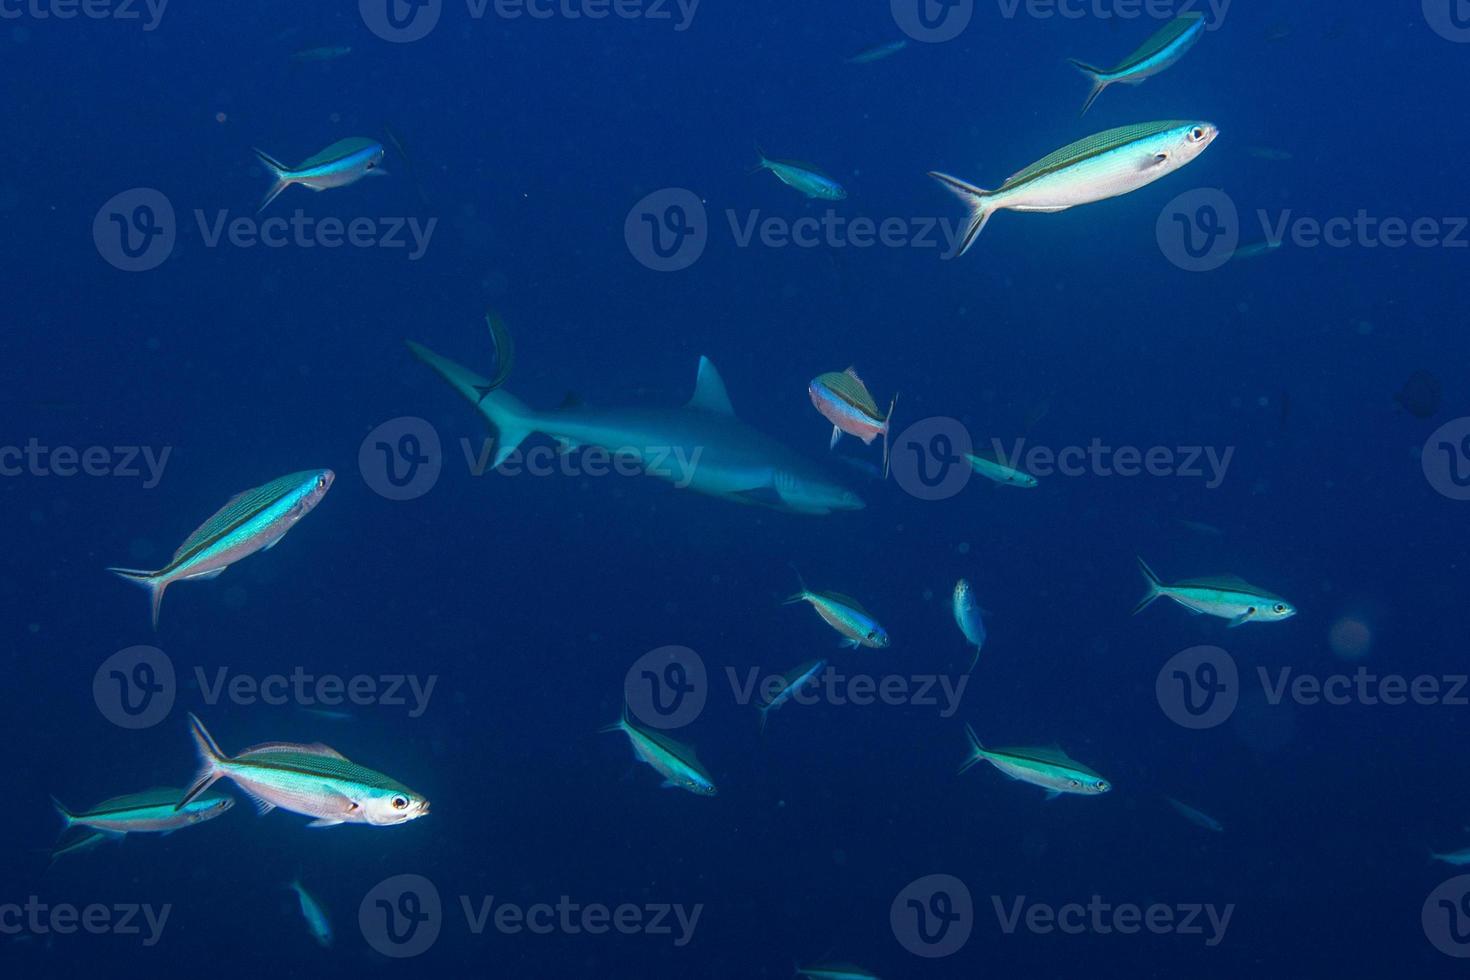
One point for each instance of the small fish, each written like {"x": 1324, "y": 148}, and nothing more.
{"x": 1159, "y": 52}
{"x": 1420, "y": 395}
{"x": 835, "y": 971}
{"x": 1225, "y": 596}
{"x": 329, "y": 52}
{"x": 311, "y": 911}
{"x": 845, "y": 401}
{"x": 1197, "y": 817}
{"x": 1268, "y": 153}
{"x": 803, "y": 177}
{"x": 1049, "y": 768}
{"x": 1199, "y": 527}
{"x": 877, "y": 53}
{"x": 1107, "y": 164}
{"x": 252, "y": 521}
{"x": 313, "y": 780}
{"x": 845, "y": 615}
{"x": 153, "y": 811}
{"x": 327, "y": 714}
{"x": 672, "y": 760}
{"x": 1005, "y": 475}
{"x": 791, "y": 682}
{"x": 1254, "y": 249}
{"x": 344, "y": 162}
{"x": 1457, "y": 858}
{"x": 967, "y": 615}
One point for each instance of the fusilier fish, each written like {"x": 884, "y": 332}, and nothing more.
{"x": 1458, "y": 858}
{"x": 344, "y": 162}
{"x": 835, "y": 971}
{"x": 803, "y": 177}
{"x": 845, "y": 401}
{"x": 878, "y": 52}
{"x": 1197, "y": 817}
{"x": 1049, "y": 768}
{"x": 252, "y": 521}
{"x": 1000, "y": 473}
{"x": 845, "y": 615}
{"x": 674, "y": 761}
{"x": 314, "y": 780}
{"x": 967, "y": 615}
{"x": 1159, "y": 52}
{"x": 791, "y": 683}
{"x": 1107, "y": 164}
{"x": 153, "y": 811}
{"x": 1225, "y": 596}
{"x": 311, "y": 911}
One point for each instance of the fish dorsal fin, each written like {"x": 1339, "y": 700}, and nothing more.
{"x": 313, "y": 748}
{"x": 1234, "y": 583}
{"x": 709, "y": 390}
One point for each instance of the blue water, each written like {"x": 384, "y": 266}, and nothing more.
{"x": 528, "y": 599}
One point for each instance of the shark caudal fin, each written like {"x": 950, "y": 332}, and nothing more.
{"x": 1155, "y": 587}
{"x": 980, "y": 203}
{"x": 148, "y": 580}
{"x": 513, "y": 421}
{"x": 1099, "y": 82}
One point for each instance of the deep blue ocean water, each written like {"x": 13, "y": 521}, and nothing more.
{"x": 528, "y": 599}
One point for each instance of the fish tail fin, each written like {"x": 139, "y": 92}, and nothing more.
{"x": 1099, "y": 82}
{"x": 1155, "y": 587}
{"x": 763, "y": 710}
{"x": 801, "y": 594}
{"x": 759, "y": 166}
{"x": 67, "y": 817}
{"x": 513, "y": 421}
{"x": 279, "y": 171}
{"x": 887, "y": 423}
{"x": 977, "y": 751}
{"x": 210, "y": 759}
{"x": 617, "y": 726}
{"x": 148, "y": 580}
{"x": 974, "y": 660}
{"x": 980, "y": 202}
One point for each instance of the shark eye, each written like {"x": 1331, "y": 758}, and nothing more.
{"x": 400, "y": 802}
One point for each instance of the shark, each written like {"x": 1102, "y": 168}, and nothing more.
{"x": 700, "y": 445}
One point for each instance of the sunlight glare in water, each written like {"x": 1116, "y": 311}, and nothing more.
{"x": 1350, "y": 638}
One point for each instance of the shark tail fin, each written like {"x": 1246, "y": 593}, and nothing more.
{"x": 513, "y": 421}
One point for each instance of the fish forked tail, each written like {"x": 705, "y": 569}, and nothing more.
{"x": 977, "y": 751}
{"x": 887, "y": 424}
{"x": 67, "y": 817}
{"x": 756, "y": 168}
{"x": 279, "y": 171}
{"x": 1155, "y": 587}
{"x": 978, "y": 199}
{"x": 513, "y": 421}
{"x": 621, "y": 725}
{"x": 1099, "y": 82}
{"x": 210, "y": 762}
{"x": 148, "y": 580}
{"x": 800, "y": 596}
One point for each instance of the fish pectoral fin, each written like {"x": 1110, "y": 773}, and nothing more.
{"x": 836, "y": 434}
{"x": 206, "y": 576}
{"x": 324, "y": 822}
{"x": 262, "y": 806}
{"x": 854, "y": 644}
{"x": 1240, "y": 620}
{"x": 668, "y": 784}
{"x": 1052, "y": 794}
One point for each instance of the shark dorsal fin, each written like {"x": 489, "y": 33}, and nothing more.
{"x": 709, "y": 390}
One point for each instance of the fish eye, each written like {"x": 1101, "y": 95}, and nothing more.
{"x": 1280, "y": 608}
{"x": 1197, "y": 133}
{"x": 321, "y": 483}
{"x": 1101, "y": 785}
{"x": 400, "y": 802}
